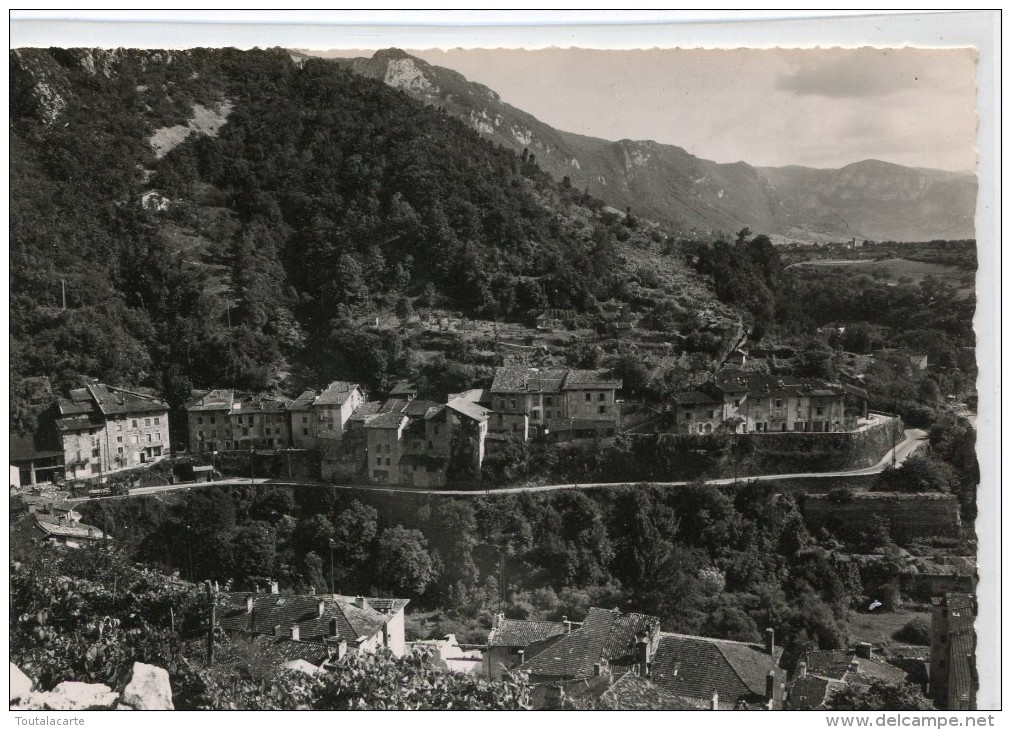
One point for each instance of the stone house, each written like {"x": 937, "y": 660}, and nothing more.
{"x": 343, "y": 623}
{"x": 102, "y": 428}
{"x": 207, "y": 416}
{"x": 510, "y": 641}
{"x": 323, "y": 414}
{"x": 526, "y": 399}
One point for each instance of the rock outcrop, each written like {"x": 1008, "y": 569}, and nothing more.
{"x": 148, "y": 689}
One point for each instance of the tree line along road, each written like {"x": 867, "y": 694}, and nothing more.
{"x": 914, "y": 437}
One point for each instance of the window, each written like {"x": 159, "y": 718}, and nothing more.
{"x": 136, "y": 438}
{"x": 148, "y": 437}
{"x": 157, "y": 421}
{"x": 501, "y": 405}
{"x": 147, "y": 421}
{"x": 779, "y": 402}
{"x": 535, "y": 415}
{"x": 119, "y": 425}
{"x": 512, "y": 404}
{"x": 589, "y": 397}
{"x": 547, "y": 400}
{"x": 737, "y": 402}
{"x": 268, "y": 430}
{"x": 119, "y": 449}
{"x": 820, "y": 411}
{"x": 601, "y": 409}
{"x": 329, "y": 427}
{"x": 387, "y": 461}
{"x": 135, "y": 423}
{"x": 602, "y": 396}
{"x": 305, "y": 432}
{"x": 212, "y": 420}
{"x": 688, "y": 415}
{"x": 157, "y": 436}
{"x": 379, "y": 461}
{"x": 305, "y": 419}
{"x": 95, "y": 452}
{"x": 245, "y": 431}
{"x": 200, "y": 434}
{"x": 119, "y": 439}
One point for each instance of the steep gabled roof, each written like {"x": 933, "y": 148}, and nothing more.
{"x": 528, "y": 380}
{"x": 281, "y": 650}
{"x": 632, "y": 692}
{"x": 336, "y": 393}
{"x": 808, "y": 693}
{"x": 604, "y": 635}
{"x": 117, "y": 401}
{"x": 517, "y": 633}
{"x": 285, "y": 610}
{"x": 211, "y": 400}
{"x": 387, "y": 420}
{"x": 697, "y": 666}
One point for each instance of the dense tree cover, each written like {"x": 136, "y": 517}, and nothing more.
{"x": 325, "y": 198}
{"x": 881, "y": 696}
{"x": 724, "y": 562}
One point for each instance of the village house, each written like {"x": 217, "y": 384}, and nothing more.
{"x": 719, "y": 674}
{"x": 525, "y": 399}
{"x": 511, "y": 641}
{"x": 447, "y": 654}
{"x": 820, "y": 674}
{"x": 607, "y": 640}
{"x": 340, "y": 624}
{"x": 102, "y": 429}
{"x": 954, "y": 679}
{"x": 207, "y": 421}
{"x": 739, "y": 402}
{"x": 54, "y": 524}
{"x": 323, "y": 414}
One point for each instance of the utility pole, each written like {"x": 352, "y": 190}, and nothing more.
{"x": 210, "y": 625}
{"x": 63, "y": 289}
{"x": 332, "y": 589}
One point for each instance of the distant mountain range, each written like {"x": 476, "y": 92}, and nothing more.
{"x": 868, "y": 199}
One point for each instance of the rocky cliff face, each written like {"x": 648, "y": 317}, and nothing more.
{"x": 666, "y": 183}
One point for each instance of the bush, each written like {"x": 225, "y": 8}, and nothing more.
{"x": 916, "y": 631}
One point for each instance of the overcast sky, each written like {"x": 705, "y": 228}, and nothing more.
{"x": 821, "y": 108}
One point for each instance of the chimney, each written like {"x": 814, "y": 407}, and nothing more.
{"x": 334, "y": 631}
{"x": 855, "y": 665}
{"x": 497, "y": 621}
{"x": 568, "y": 624}
{"x": 801, "y": 670}
{"x": 312, "y": 590}
{"x": 273, "y": 587}
{"x": 320, "y": 608}
{"x": 215, "y": 586}
{"x": 770, "y": 685}
{"x": 278, "y": 631}
{"x": 770, "y": 642}
{"x": 642, "y": 656}
{"x": 714, "y": 703}
{"x": 249, "y": 604}
{"x": 360, "y": 602}
{"x": 864, "y": 650}
{"x": 294, "y": 632}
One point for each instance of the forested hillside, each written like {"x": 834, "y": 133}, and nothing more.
{"x": 312, "y": 197}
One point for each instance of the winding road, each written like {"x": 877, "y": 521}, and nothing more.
{"x": 914, "y": 437}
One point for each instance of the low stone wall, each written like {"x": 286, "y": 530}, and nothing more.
{"x": 908, "y": 516}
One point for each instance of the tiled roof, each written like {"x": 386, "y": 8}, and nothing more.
{"x": 336, "y": 393}
{"x": 632, "y": 692}
{"x": 303, "y": 402}
{"x": 807, "y": 693}
{"x": 260, "y": 404}
{"x": 394, "y": 405}
{"x": 514, "y": 632}
{"x": 211, "y": 400}
{"x": 532, "y": 380}
{"x": 421, "y": 409}
{"x": 696, "y": 397}
{"x": 404, "y": 387}
{"x": 24, "y": 448}
{"x": 116, "y": 401}
{"x": 281, "y": 650}
{"x": 697, "y": 666}
{"x": 365, "y": 410}
{"x": 52, "y": 526}
{"x": 828, "y": 664}
{"x": 468, "y": 408}
{"x": 25, "y": 534}
{"x": 474, "y": 395}
{"x": 388, "y": 605}
{"x": 607, "y": 635}
{"x": 284, "y": 610}
{"x": 386, "y": 420}
{"x": 585, "y": 379}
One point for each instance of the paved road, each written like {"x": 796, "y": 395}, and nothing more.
{"x": 914, "y": 437}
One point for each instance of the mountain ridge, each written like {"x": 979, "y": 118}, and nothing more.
{"x": 693, "y": 195}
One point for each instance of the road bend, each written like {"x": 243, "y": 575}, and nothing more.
{"x": 913, "y": 439}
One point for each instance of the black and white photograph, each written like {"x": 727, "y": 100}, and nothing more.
{"x": 377, "y": 371}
